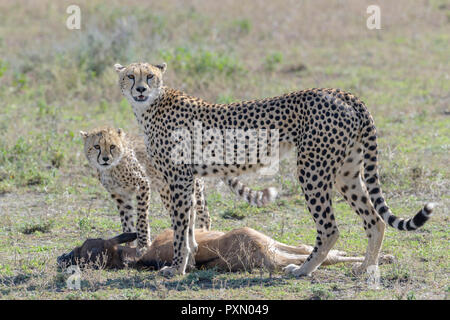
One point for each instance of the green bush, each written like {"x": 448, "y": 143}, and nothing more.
{"x": 39, "y": 225}
{"x": 201, "y": 62}
{"x": 243, "y": 25}
{"x": 272, "y": 60}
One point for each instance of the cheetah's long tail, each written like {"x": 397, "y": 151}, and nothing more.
{"x": 371, "y": 179}
{"x": 253, "y": 197}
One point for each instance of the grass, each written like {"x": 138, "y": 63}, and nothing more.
{"x": 55, "y": 82}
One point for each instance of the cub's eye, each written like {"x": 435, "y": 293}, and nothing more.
{"x": 131, "y": 77}
{"x": 150, "y": 76}
{"x": 112, "y": 147}
{"x": 97, "y": 147}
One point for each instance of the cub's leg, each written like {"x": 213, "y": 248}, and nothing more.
{"x": 142, "y": 224}
{"x": 125, "y": 207}
{"x": 193, "y": 246}
{"x": 351, "y": 186}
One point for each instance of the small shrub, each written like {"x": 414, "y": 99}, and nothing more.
{"x": 45, "y": 110}
{"x": 20, "y": 81}
{"x": 201, "y": 275}
{"x": 43, "y": 226}
{"x": 411, "y": 296}
{"x": 272, "y": 60}
{"x": 57, "y": 158}
{"x": 36, "y": 179}
{"x": 22, "y": 147}
{"x": 214, "y": 198}
{"x": 3, "y": 67}
{"x": 85, "y": 225}
{"x": 103, "y": 106}
{"x": 244, "y": 26}
{"x": 233, "y": 214}
{"x": 321, "y": 293}
{"x": 398, "y": 273}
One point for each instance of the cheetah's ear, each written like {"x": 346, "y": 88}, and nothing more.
{"x": 119, "y": 68}
{"x": 120, "y": 132}
{"x": 162, "y": 67}
{"x": 83, "y": 134}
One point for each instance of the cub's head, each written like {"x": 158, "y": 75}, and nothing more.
{"x": 104, "y": 147}
{"x": 141, "y": 83}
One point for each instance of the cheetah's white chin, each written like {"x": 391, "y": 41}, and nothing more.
{"x": 140, "y": 98}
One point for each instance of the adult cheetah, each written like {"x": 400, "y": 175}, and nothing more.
{"x": 332, "y": 131}
{"x": 124, "y": 169}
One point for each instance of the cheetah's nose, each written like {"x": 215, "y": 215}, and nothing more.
{"x": 140, "y": 89}
{"x": 105, "y": 159}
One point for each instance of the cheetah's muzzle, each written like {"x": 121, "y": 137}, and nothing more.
{"x": 140, "y": 98}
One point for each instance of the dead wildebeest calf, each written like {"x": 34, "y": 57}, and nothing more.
{"x": 238, "y": 250}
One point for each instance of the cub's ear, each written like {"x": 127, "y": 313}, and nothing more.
{"x": 83, "y": 134}
{"x": 120, "y": 132}
{"x": 162, "y": 67}
{"x": 119, "y": 67}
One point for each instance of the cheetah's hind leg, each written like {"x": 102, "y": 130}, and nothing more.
{"x": 317, "y": 192}
{"x": 350, "y": 185}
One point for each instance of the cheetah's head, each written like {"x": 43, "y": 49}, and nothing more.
{"x": 141, "y": 83}
{"x": 103, "y": 147}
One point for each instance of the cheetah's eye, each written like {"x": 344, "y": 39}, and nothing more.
{"x": 150, "y": 76}
{"x": 97, "y": 147}
{"x": 131, "y": 77}
{"x": 112, "y": 147}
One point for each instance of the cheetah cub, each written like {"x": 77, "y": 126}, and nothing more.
{"x": 119, "y": 171}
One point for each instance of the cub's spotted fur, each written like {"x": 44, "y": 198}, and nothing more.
{"x": 332, "y": 131}
{"x": 122, "y": 175}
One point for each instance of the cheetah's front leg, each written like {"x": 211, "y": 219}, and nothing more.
{"x": 166, "y": 199}
{"x": 202, "y": 218}
{"x": 181, "y": 206}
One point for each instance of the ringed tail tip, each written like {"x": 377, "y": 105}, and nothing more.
{"x": 429, "y": 207}
{"x": 269, "y": 195}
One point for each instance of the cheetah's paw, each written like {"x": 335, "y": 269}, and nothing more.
{"x": 140, "y": 252}
{"x": 295, "y": 270}
{"x": 358, "y": 268}
{"x": 169, "y": 271}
